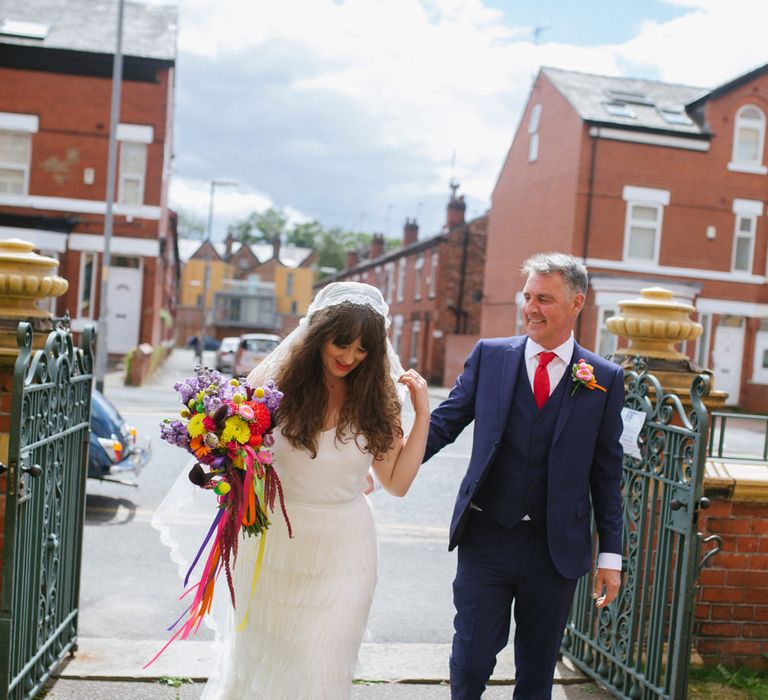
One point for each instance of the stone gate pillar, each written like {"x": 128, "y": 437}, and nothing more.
{"x": 25, "y": 279}
{"x": 731, "y": 620}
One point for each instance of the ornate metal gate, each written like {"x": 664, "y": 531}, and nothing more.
{"x": 45, "y": 503}
{"x": 639, "y": 647}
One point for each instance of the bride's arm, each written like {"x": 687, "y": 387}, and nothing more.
{"x": 397, "y": 469}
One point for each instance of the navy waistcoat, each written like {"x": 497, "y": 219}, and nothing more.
{"x": 516, "y": 483}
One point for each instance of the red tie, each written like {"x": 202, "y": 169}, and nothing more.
{"x": 541, "y": 379}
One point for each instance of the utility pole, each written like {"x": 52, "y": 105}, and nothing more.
{"x": 106, "y": 261}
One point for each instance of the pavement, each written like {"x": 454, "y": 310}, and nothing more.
{"x": 112, "y": 668}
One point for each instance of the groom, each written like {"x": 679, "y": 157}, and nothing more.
{"x": 544, "y": 445}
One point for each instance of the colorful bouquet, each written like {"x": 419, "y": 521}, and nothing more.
{"x": 227, "y": 426}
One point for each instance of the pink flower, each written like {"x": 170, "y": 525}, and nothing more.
{"x": 245, "y": 412}
{"x": 209, "y": 424}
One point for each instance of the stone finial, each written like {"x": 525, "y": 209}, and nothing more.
{"x": 26, "y": 277}
{"x": 654, "y": 323}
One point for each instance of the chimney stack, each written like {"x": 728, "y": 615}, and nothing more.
{"x": 455, "y": 213}
{"x": 276, "y": 248}
{"x": 228, "y": 243}
{"x": 352, "y": 259}
{"x": 410, "y": 232}
{"x": 377, "y": 246}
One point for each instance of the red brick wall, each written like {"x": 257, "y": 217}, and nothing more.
{"x": 534, "y": 205}
{"x": 731, "y": 625}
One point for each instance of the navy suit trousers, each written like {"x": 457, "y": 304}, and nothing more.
{"x": 499, "y": 568}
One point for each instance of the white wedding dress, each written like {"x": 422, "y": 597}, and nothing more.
{"x": 310, "y": 608}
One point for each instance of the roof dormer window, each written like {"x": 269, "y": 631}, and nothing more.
{"x": 23, "y": 30}
{"x": 675, "y": 115}
{"x": 619, "y": 109}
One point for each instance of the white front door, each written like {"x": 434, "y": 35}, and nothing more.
{"x": 124, "y": 313}
{"x": 727, "y": 357}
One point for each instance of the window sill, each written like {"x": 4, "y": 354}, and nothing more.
{"x": 748, "y": 168}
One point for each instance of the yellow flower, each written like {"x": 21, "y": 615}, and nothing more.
{"x": 238, "y": 398}
{"x": 185, "y": 413}
{"x": 259, "y": 393}
{"x": 234, "y": 382}
{"x": 235, "y": 428}
{"x": 195, "y": 427}
{"x": 200, "y": 396}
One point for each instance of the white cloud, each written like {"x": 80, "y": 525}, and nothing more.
{"x": 424, "y": 78}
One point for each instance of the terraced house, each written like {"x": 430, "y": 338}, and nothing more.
{"x": 56, "y": 59}
{"x": 651, "y": 184}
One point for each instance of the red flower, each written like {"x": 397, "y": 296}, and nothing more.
{"x": 209, "y": 424}
{"x": 261, "y": 419}
{"x": 255, "y": 440}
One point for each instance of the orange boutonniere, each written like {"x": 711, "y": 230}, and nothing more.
{"x": 584, "y": 375}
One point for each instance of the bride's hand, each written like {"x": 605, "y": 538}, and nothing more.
{"x": 418, "y": 390}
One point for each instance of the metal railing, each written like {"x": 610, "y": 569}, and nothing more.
{"x": 741, "y": 437}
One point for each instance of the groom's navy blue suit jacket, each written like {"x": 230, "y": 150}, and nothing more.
{"x": 585, "y": 457}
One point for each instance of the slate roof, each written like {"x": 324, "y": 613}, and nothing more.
{"x": 290, "y": 256}
{"x": 649, "y": 101}
{"x": 149, "y": 31}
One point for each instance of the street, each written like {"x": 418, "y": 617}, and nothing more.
{"x": 129, "y": 586}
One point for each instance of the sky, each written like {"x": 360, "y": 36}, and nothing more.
{"x": 359, "y": 113}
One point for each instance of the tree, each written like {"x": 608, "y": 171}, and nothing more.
{"x": 188, "y": 226}
{"x": 260, "y": 227}
{"x": 306, "y": 235}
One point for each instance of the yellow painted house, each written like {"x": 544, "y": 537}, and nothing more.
{"x": 251, "y": 288}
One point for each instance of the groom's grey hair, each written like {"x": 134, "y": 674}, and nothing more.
{"x": 572, "y": 269}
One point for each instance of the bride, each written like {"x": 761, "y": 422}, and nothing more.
{"x": 340, "y": 416}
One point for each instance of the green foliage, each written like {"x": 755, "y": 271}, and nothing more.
{"x": 165, "y": 318}
{"x": 128, "y": 363}
{"x": 753, "y": 683}
{"x": 261, "y": 227}
{"x": 190, "y": 226}
{"x": 331, "y": 243}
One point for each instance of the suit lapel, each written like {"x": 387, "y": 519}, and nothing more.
{"x": 513, "y": 356}
{"x": 568, "y": 401}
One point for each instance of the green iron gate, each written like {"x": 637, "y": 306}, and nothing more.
{"x": 45, "y": 504}
{"x": 639, "y": 647}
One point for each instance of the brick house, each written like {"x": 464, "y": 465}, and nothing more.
{"x": 251, "y": 288}
{"x": 433, "y": 287}
{"x": 650, "y": 184}
{"x": 56, "y": 61}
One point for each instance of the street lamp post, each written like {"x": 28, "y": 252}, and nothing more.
{"x": 208, "y": 236}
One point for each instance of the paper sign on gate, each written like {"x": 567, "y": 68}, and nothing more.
{"x": 633, "y": 423}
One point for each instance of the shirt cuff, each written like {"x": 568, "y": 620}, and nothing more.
{"x": 609, "y": 560}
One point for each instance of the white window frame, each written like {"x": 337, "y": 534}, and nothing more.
{"x": 18, "y": 124}
{"x": 433, "y": 274}
{"x": 760, "y": 373}
{"x": 135, "y": 135}
{"x": 84, "y": 258}
{"x": 397, "y": 332}
{"x": 644, "y": 197}
{"x": 124, "y": 177}
{"x": 389, "y": 281}
{"x": 533, "y": 133}
{"x": 740, "y": 122}
{"x": 413, "y": 360}
{"x": 702, "y": 342}
{"x": 745, "y": 209}
{"x": 418, "y": 277}
{"x": 289, "y": 284}
{"x": 603, "y": 337}
{"x": 401, "y": 279}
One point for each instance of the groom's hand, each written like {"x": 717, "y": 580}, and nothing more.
{"x": 607, "y": 584}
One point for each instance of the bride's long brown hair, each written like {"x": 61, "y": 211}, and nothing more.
{"x": 371, "y": 409}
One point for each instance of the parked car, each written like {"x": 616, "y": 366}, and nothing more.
{"x": 253, "y": 348}
{"x": 225, "y": 355}
{"x": 113, "y": 450}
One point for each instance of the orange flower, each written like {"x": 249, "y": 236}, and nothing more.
{"x": 198, "y": 447}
